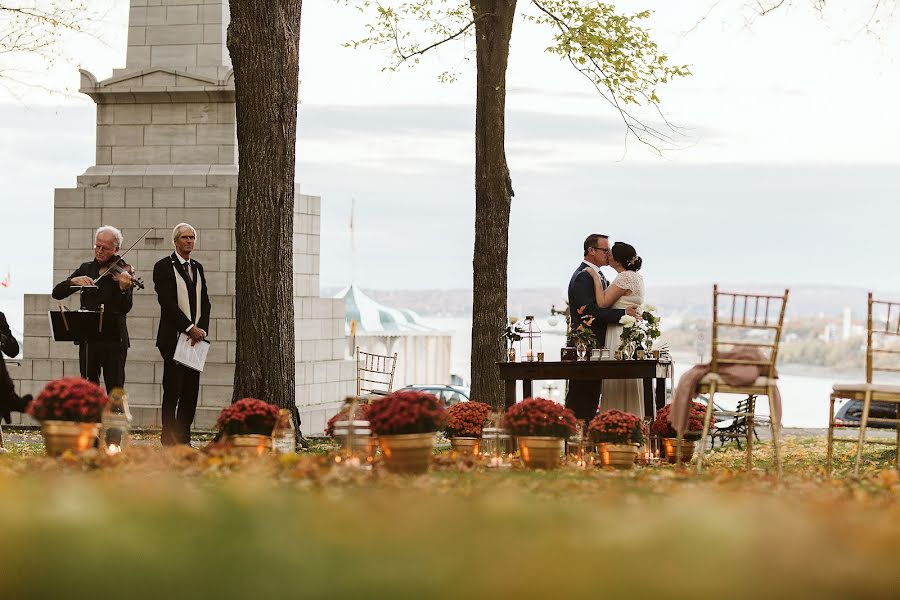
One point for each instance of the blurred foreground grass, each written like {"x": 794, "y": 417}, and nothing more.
{"x": 183, "y": 524}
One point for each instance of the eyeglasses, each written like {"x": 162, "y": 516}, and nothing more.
{"x": 606, "y": 250}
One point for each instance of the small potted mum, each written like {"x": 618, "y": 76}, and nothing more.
{"x": 618, "y": 436}
{"x": 663, "y": 428}
{"x": 465, "y": 421}
{"x": 69, "y": 410}
{"x": 541, "y": 427}
{"x": 405, "y": 423}
{"x": 247, "y": 425}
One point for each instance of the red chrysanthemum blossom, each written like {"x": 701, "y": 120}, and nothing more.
{"x": 69, "y": 399}
{"x": 539, "y": 416}
{"x": 663, "y": 428}
{"x": 248, "y": 416}
{"x": 406, "y": 412}
{"x": 617, "y": 427}
{"x": 466, "y": 419}
{"x": 341, "y": 415}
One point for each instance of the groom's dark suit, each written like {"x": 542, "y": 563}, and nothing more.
{"x": 584, "y": 396}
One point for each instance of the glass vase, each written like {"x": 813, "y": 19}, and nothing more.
{"x": 630, "y": 347}
{"x": 581, "y": 350}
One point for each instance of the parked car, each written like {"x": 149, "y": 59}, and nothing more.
{"x": 850, "y": 414}
{"x": 449, "y": 394}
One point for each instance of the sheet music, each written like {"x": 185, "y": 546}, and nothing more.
{"x": 193, "y": 357}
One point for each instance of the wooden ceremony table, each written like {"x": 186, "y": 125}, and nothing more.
{"x": 652, "y": 372}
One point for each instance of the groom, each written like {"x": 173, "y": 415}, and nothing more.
{"x": 584, "y": 396}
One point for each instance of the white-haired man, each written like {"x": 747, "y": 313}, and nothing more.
{"x": 114, "y": 292}
{"x": 184, "y": 309}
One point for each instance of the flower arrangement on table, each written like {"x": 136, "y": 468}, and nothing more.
{"x": 511, "y": 335}
{"x": 540, "y": 417}
{"x": 633, "y": 335}
{"x": 664, "y": 429}
{"x": 248, "y": 416}
{"x": 406, "y": 412}
{"x": 617, "y": 427}
{"x": 69, "y": 399}
{"x": 651, "y": 325}
{"x": 639, "y": 332}
{"x": 467, "y": 419}
{"x": 343, "y": 414}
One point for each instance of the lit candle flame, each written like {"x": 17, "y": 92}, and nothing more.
{"x": 113, "y": 449}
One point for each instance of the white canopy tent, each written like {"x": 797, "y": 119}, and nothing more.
{"x": 423, "y": 352}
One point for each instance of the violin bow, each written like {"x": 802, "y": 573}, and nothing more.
{"x": 143, "y": 235}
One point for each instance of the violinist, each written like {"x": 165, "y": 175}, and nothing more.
{"x": 114, "y": 285}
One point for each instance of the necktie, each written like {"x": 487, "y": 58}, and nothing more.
{"x": 187, "y": 269}
{"x": 604, "y": 281}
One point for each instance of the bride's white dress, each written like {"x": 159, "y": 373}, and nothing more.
{"x": 625, "y": 394}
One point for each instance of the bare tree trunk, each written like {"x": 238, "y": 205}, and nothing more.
{"x": 264, "y": 42}
{"x": 493, "y": 197}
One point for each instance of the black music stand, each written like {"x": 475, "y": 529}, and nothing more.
{"x": 83, "y": 327}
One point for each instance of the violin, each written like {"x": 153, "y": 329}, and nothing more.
{"x": 118, "y": 266}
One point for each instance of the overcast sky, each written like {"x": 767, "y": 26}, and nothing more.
{"x": 788, "y": 173}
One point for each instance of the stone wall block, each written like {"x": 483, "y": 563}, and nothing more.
{"x": 68, "y": 197}
{"x": 224, "y": 181}
{"x": 216, "y": 283}
{"x": 215, "y": 239}
{"x": 138, "y": 197}
{"x": 195, "y": 155}
{"x": 170, "y": 135}
{"x": 122, "y": 217}
{"x": 168, "y": 198}
{"x": 137, "y": 57}
{"x": 181, "y": 15}
{"x": 120, "y": 135}
{"x": 126, "y": 181}
{"x": 77, "y": 217}
{"x": 60, "y": 239}
{"x": 189, "y": 181}
{"x": 219, "y": 134}
{"x": 174, "y": 35}
{"x": 140, "y": 155}
{"x": 207, "y": 197}
{"x": 211, "y": 13}
{"x": 131, "y": 114}
{"x": 228, "y": 154}
{"x": 214, "y": 396}
{"x": 169, "y": 114}
{"x": 211, "y": 54}
{"x": 173, "y": 56}
{"x": 202, "y": 112}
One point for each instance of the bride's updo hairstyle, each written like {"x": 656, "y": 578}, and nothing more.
{"x": 626, "y": 255}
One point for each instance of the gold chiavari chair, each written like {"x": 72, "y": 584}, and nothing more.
{"x": 744, "y": 321}
{"x": 374, "y": 373}
{"x": 882, "y": 354}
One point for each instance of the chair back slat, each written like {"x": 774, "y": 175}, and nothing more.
{"x": 762, "y": 331}
{"x": 882, "y": 337}
{"x": 374, "y": 372}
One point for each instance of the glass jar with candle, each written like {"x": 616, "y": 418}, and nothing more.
{"x": 116, "y": 421}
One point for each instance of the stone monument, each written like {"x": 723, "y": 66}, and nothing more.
{"x": 166, "y": 154}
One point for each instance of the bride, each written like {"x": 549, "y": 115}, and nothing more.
{"x": 627, "y": 289}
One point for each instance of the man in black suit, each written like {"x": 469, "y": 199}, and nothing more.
{"x": 184, "y": 309}
{"x": 114, "y": 292}
{"x": 584, "y": 396}
{"x": 9, "y": 400}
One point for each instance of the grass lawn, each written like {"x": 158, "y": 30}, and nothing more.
{"x": 185, "y": 524}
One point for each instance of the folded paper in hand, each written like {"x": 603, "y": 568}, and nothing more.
{"x": 191, "y": 356}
